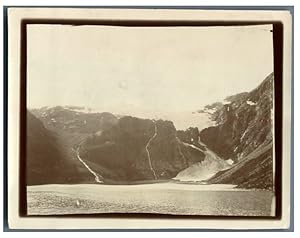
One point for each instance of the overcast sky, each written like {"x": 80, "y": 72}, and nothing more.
{"x": 144, "y": 71}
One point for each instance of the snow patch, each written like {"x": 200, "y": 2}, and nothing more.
{"x": 210, "y": 111}
{"x": 79, "y": 109}
{"x": 194, "y": 147}
{"x": 245, "y": 132}
{"x": 225, "y": 102}
{"x": 240, "y": 156}
{"x": 249, "y": 102}
{"x": 98, "y": 133}
{"x": 204, "y": 170}
{"x": 230, "y": 161}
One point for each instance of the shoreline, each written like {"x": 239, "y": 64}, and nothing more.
{"x": 161, "y": 185}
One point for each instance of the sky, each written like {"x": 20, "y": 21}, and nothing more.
{"x": 149, "y": 72}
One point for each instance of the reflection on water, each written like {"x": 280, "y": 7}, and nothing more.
{"x": 166, "y": 198}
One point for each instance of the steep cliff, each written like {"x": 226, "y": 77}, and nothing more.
{"x": 47, "y": 159}
{"x": 244, "y": 134}
{"x": 244, "y": 124}
{"x": 139, "y": 149}
{"x": 254, "y": 171}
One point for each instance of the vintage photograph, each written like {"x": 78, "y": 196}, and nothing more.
{"x": 159, "y": 120}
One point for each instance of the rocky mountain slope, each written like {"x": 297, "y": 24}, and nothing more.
{"x": 243, "y": 124}
{"x": 74, "y": 120}
{"x": 243, "y": 133}
{"x": 139, "y": 149}
{"x": 254, "y": 171}
{"x": 190, "y": 136}
{"x": 48, "y": 159}
{"x": 100, "y": 147}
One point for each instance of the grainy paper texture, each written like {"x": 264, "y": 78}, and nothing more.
{"x": 162, "y": 95}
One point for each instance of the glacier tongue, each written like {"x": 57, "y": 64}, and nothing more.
{"x": 203, "y": 170}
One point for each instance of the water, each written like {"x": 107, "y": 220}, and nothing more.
{"x": 163, "y": 198}
{"x": 147, "y": 150}
{"x": 97, "y": 179}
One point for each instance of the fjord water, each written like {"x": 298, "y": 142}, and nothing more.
{"x": 158, "y": 198}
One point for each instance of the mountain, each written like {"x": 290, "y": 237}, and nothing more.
{"x": 204, "y": 169}
{"x": 139, "y": 149}
{"x": 254, "y": 171}
{"x": 242, "y": 125}
{"x": 74, "y": 124}
{"x": 190, "y": 136}
{"x": 69, "y": 144}
{"x": 48, "y": 160}
{"x": 244, "y": 134}
{"x": 126, "y": 149}
{"x": 74, "y": 119}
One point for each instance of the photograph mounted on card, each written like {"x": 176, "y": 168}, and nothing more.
{"x": 164, "y": 114}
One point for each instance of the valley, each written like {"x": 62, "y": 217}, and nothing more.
{"x": 99, "y": 147}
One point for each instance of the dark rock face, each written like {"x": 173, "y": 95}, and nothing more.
{"x": 72, "y": 125}
{"x": 116, "y": 148}
{"x": 254, "y": 171}
{"x": 190, "y": 136}
{"x": 242, "y": 125}
{"x": 244, "y": 134}
{"x": 120, "y": 153}
{"x": 132, "y": 149}
{"x": 47, "y": 160}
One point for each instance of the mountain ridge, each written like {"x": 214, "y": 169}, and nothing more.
{"x": 244, "y": 134}
{"x": 128, "y": 149}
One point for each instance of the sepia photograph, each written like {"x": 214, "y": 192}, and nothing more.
{"x": 150, "y": 119}
{"x": 162, "y": 120}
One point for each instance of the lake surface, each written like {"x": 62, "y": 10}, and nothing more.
{"x": 163, "y": 198}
